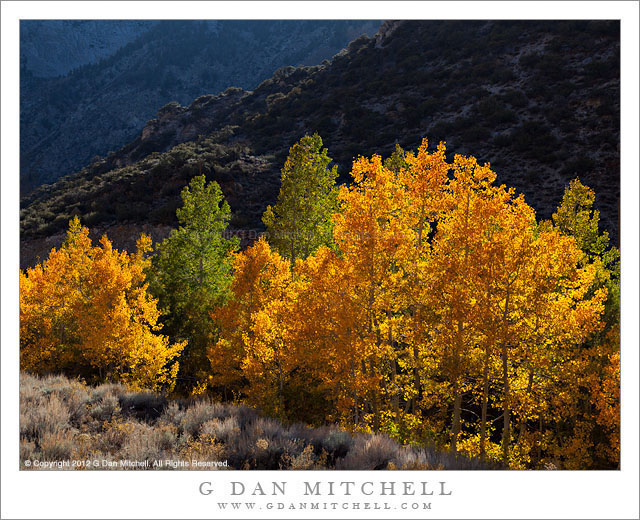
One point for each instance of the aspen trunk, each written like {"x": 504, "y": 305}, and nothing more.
{"x": 455, "y": 427}
{"x": 505, "y": 405}
{"x": 539, "y": 450}
{"x": 416, "y": 381}
{"x": 523, "y": 421}
{"x": 395, "y": 399}
{"x": 457, "y": 403}
{"x": 280, "y": 388}
{"x": 485, "y": 400}
{"x": 375, "y": 402}
{"x": 505, "y": 381}
{"x": 396, "y": 392}
{"x": 355, "y": 392}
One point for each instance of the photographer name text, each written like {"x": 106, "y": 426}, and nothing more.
{"x": 328, "y": 488}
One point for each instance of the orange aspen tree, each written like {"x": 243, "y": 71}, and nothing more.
{"x": 474, "y": 231}
{"x": 370, "y": 234}
{"x": 86, "y": 312}
{"x": 253, "y": 344}
{"x": 503, "y": 284}
{"x": 424, "y": 176}
{"x": 381, "y": 234}
{"x": 442, "y": 300}
{"x": 456, "y": 261}
{"x": 327, "y": 330}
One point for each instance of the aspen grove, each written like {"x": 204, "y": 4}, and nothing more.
{"x": 422, "y": 300}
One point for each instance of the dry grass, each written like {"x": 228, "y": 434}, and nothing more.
{"x": 63, "y": 420}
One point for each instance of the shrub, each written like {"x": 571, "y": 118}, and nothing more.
{"x": 599, "y": 69}
{"x": 552, "y": 66}
{"x": 200, "y": 413}
{"x": 267, "y": 428}
{"x": 43, "y": 416}
{"x": 440, "y": 130}
{"x": 529, "y": 60}
{"x": 372, "y": 452}
{"x": 113, "y": 435}
{"x": 503, "y": 139}
{"x": 99, "y": 392}
{"x": 203, "y": 449}
{"x": 143, "y": 405}
{"x": 116, "y": 425}
{"x": 515, "y": 98}
{"x": 268, "y": 455}
{"x": 57, "y": 446}
{"x": 305, "y": 460}
{"x": 502, "y": 74}
{"x": 335, "y": 443}
{"x": 222, "y": 429}
{"x": 145, "y": 442}
{"x": 476, "y": 133}
{"x": 106, "y": 408}
{"x": 579, "y": 166}
{"x": 76, "y": 399}
{"x": 533, "y": 138}
{"x": 173, "y": 414}
{"x": 27, "y": 449}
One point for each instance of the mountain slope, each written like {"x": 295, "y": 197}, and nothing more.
{"x": 539, "y": 100}
{"x": 51, "y": 48}
{"x": 113, "y": 90}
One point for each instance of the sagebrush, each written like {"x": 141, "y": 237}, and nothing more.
{"x": 63, "y": 419}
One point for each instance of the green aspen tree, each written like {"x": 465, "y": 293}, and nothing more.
{"x": 575, "y": 216}
{"x": 191, "y": 274}
{"x": 300, "y": 222}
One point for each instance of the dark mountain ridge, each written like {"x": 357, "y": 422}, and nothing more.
{"x": 539, "y": 100}
{"x": 105, "y": 100}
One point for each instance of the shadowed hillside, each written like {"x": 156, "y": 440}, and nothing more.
{"x": 114, "y": 88}
{"x": 538, "y": 99}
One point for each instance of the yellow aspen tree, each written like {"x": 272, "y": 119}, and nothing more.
{"x": 326, "y": 331}
{"x": 369, "y": 235}
{"x": 501, "y": 282}
{"x": 253, "y": 343}
{"x": 576, "y": 217}
{"x": 424, "y": 176}
{"x": 86, "y": 312}
{"x": 456, "y": 260}
{"x": 559, "y": 312}
{"x": 606, "y": 397}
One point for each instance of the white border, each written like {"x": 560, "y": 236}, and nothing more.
{"x": 175, "y": 495}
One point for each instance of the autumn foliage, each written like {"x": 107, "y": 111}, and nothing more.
{"x": 253, "y": 339}
{"x": 86, "y": 312}
{"x": 445, "y": 311}
{"x": 432, "y": 306}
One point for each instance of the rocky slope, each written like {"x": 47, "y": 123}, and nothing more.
{"x": 124, "y": 70}
{"x": 538, "y": 100}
